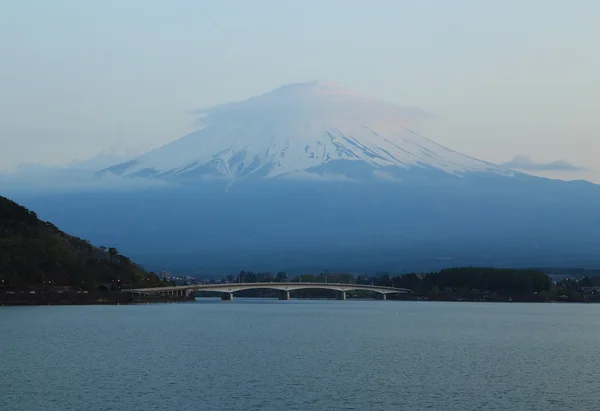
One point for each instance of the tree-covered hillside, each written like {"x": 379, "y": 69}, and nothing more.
{"x": 34, "y": 253}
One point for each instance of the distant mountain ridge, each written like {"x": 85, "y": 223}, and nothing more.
{"x": 527, "y": 164}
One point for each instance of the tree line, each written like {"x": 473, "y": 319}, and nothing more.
{"x": 463, "y": 283}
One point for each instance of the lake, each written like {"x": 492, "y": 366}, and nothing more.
{"x": 251, "y": 354}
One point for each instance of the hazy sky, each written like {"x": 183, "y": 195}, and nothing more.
{"x": 501, "y": 77}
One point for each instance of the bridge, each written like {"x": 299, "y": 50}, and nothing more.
{"x": 227, "y": 290}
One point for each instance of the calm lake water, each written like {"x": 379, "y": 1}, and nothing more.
{"x": 301, "y": 355}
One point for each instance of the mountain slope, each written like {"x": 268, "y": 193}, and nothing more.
{"x": 299, "y": 129}
{"x": 302, "y": 226}
{"x": 328, "y": 179}
{"x": 35, "y": 253}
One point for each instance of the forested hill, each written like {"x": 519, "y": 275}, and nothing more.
{"x": 34, "y": 253}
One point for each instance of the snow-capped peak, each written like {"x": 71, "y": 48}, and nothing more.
{"x": 298, "y": 128}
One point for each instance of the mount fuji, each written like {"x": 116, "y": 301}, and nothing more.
{"x": 303, "y": 130}
{"x": 311, "y": 176}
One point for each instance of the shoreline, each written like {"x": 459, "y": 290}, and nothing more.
{"x": 126, "y": 299}
{"x": 99, "y": 298}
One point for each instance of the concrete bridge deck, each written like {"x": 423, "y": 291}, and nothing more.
{"x": 227, "y": 290}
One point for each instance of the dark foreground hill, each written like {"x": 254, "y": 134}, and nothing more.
{"x": 36, "y": 254}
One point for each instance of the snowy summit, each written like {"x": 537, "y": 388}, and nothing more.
{"x": 306, "y": 129}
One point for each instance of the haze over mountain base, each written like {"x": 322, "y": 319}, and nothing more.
{"x": 303, "y": 226}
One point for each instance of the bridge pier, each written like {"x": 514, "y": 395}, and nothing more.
{"x": 340, "y": 295}
{"x": 382, "y": 297}
{"x": 226, "y": 296}
{"x": 284, "y": 296}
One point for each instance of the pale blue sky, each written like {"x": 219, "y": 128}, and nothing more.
{"x": 501, "y": 77}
